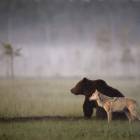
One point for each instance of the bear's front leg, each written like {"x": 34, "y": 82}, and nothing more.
{"x": 100, "y": 113}
{"x": 88, "y": 108}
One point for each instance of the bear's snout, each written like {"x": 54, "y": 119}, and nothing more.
{"x": 72, "y": 90}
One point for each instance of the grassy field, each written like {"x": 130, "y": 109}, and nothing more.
{"x": 52, "y": 97}
{"x": 69, "y": 130}
{"x": 38, "y": 97}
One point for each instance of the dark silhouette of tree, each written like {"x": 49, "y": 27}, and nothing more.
{"x": 10, "y": 54}
{"x": 103, "y": 38}
{"x": 127, "y": 59}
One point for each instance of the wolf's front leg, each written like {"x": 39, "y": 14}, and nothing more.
{"x": 109, "y": 116}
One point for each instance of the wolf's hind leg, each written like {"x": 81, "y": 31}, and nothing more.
{"x": 127, "y": 113}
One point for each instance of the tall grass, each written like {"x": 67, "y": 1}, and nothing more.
{"x": 49, "y": 97}
{"x": 52, "y": 97}
{"x": 38, "y": 97}
{"x": 70, "y": 130}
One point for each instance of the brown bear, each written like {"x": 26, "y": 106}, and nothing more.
{"x": 86, "y": 87}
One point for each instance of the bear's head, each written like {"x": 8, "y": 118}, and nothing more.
{"x": 83, "y": 87}
{"x": 87, "y": 87}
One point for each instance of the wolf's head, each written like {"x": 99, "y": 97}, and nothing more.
{"x": 94, "y": 96}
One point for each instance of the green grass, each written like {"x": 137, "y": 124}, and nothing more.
{"x": 38, "y": 97}
{"x": 52, "y": 97}
{"x": 49, "y": 97}
{"x": 70, "y": 130}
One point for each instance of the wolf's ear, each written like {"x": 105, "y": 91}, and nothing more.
{"x": 100, "y": 97}
{"x": 96, "y": 91}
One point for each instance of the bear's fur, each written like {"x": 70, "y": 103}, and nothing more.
{"x": 86, "y": 87}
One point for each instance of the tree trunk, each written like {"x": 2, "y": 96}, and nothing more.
{"x": 8, "y": 67}
{"x": 12, "y": 66}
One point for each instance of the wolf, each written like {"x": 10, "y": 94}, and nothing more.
{"x": 116, "y": 104}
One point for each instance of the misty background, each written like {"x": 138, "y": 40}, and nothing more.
{"x": 72, "y": 37}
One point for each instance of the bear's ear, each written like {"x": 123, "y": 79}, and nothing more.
{"x": 84, "y": 79}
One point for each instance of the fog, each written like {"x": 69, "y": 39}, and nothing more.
{"x": 72, "y": 37}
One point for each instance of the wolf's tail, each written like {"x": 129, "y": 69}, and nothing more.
{"x": 136, "y": 111}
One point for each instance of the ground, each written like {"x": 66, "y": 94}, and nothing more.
{"x": 52, "y": 97}
{"x": 69, "y": 130}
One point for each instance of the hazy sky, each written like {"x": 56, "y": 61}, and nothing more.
{"x": 72, "y": 37}
{"x": 63, "y": 21}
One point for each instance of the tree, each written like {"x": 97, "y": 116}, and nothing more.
{"x": 104, "y": 38}
{"x": 127, "y": 60}
{"x": 10, "y": 54}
